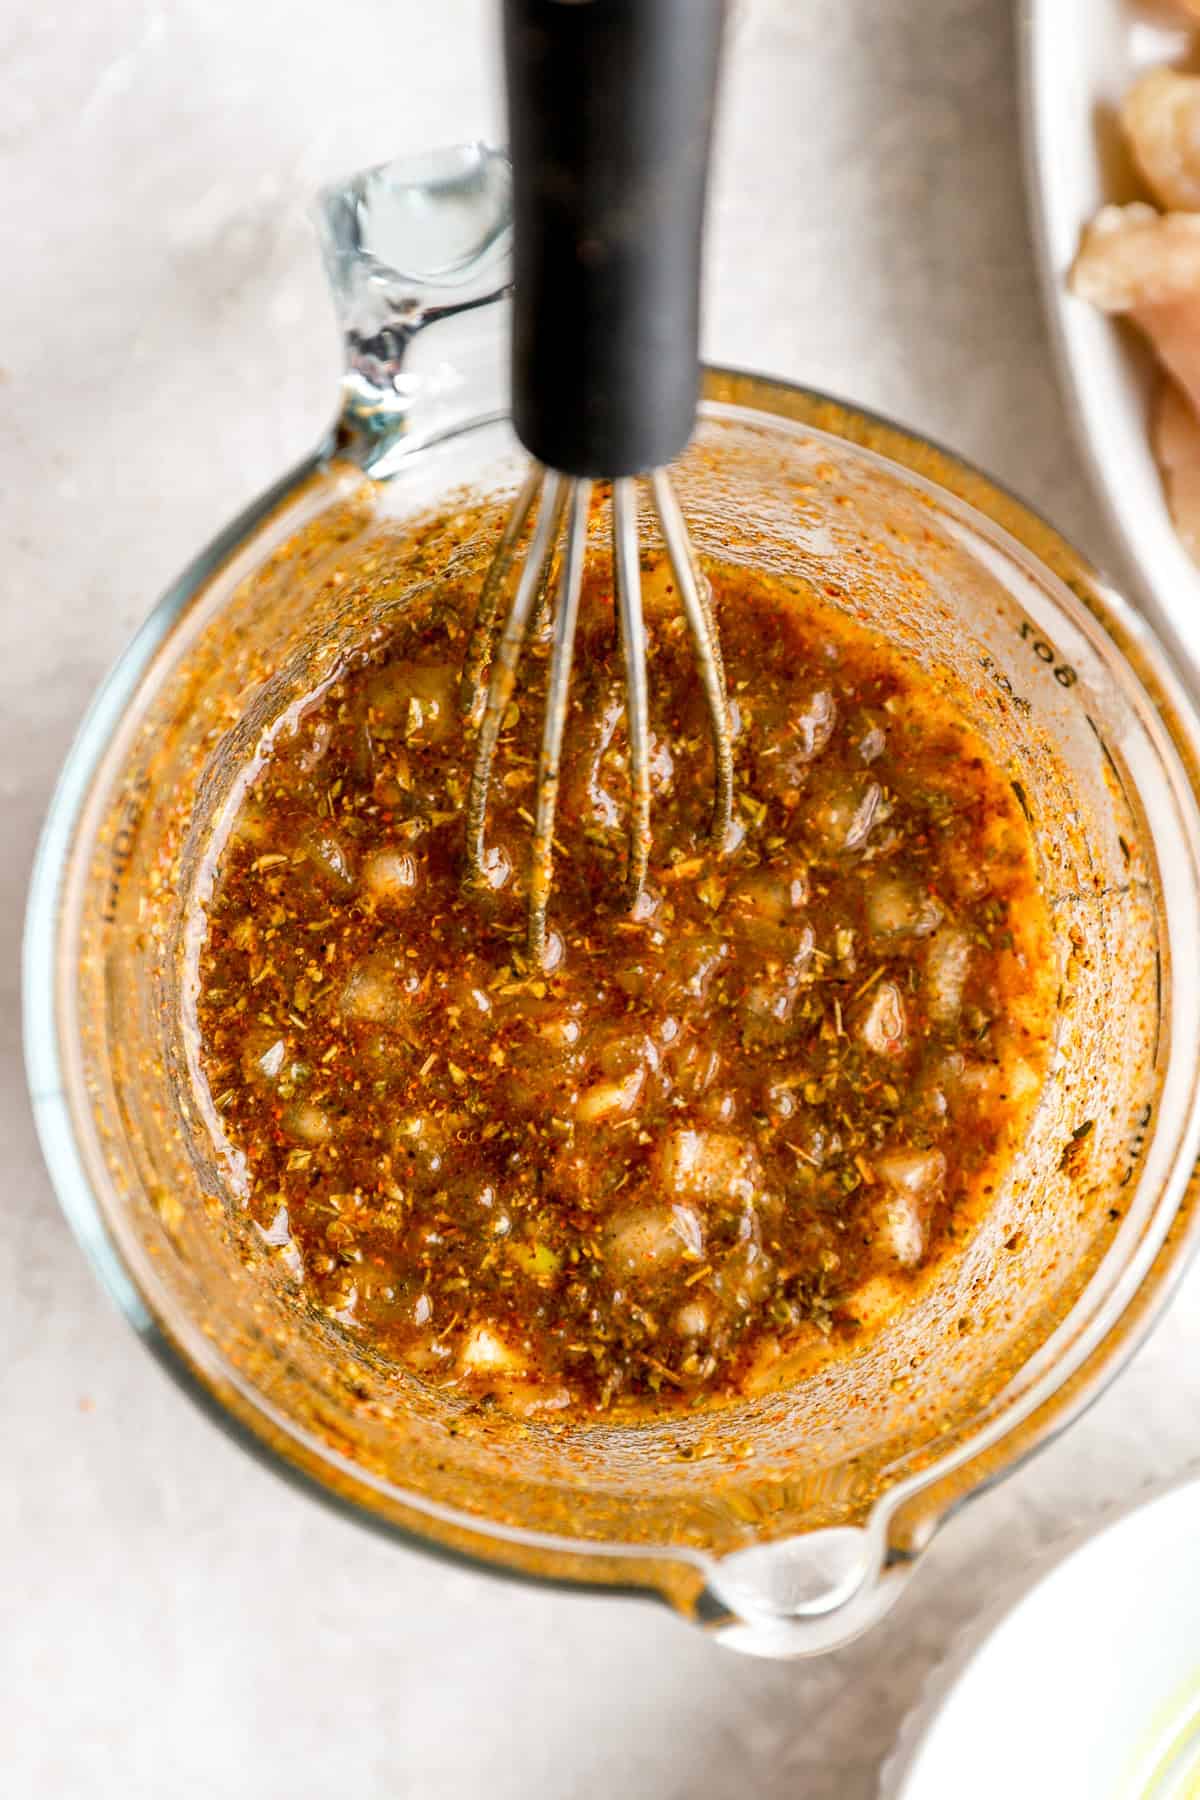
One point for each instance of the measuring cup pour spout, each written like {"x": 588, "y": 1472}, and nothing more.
{"x": 803, "y": 1595}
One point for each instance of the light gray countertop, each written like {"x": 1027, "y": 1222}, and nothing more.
{"x": 166, "y": 348}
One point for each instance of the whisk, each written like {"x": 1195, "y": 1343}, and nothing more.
{"x": 610, "y": 107}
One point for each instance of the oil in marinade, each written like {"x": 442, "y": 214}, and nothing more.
{"x": 731, "y": 1129}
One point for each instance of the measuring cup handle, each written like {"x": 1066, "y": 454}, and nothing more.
{"x": 419, "y": 257}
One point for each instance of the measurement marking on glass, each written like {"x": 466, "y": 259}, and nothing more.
{"x": 1137, "y": 1144}
{"x": 1045, "y": 652}
{"x": 1111, "y": 760}
{"x": 1158, "y": 1002}
{"x": 124, "y": 838}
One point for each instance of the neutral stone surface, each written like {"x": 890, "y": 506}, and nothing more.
{"x": 166, "y": 349}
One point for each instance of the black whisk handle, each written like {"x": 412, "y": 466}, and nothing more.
{"x": 610, "y": 109}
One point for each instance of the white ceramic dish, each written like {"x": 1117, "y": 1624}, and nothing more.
{"x": 1088, "y": 1688}
{"x": 1078, "y": 59}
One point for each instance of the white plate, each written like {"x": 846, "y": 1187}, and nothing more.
{"x": 1089, "y": 1688}
{"x": 1079, "y": 58}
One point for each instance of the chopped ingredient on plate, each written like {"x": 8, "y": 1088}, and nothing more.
{"x": 1161, "y": 119}
{"x": 1176, "y": 439}
{"x": 1144, "y": 264}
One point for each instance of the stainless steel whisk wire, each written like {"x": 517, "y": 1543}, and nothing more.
{"x": 494, "y": 653}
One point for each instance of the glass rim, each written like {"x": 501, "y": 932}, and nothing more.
{"x": 1093, "y": 1366}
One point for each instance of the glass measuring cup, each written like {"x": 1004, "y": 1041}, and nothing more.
{"x": 787, "y": 1524}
